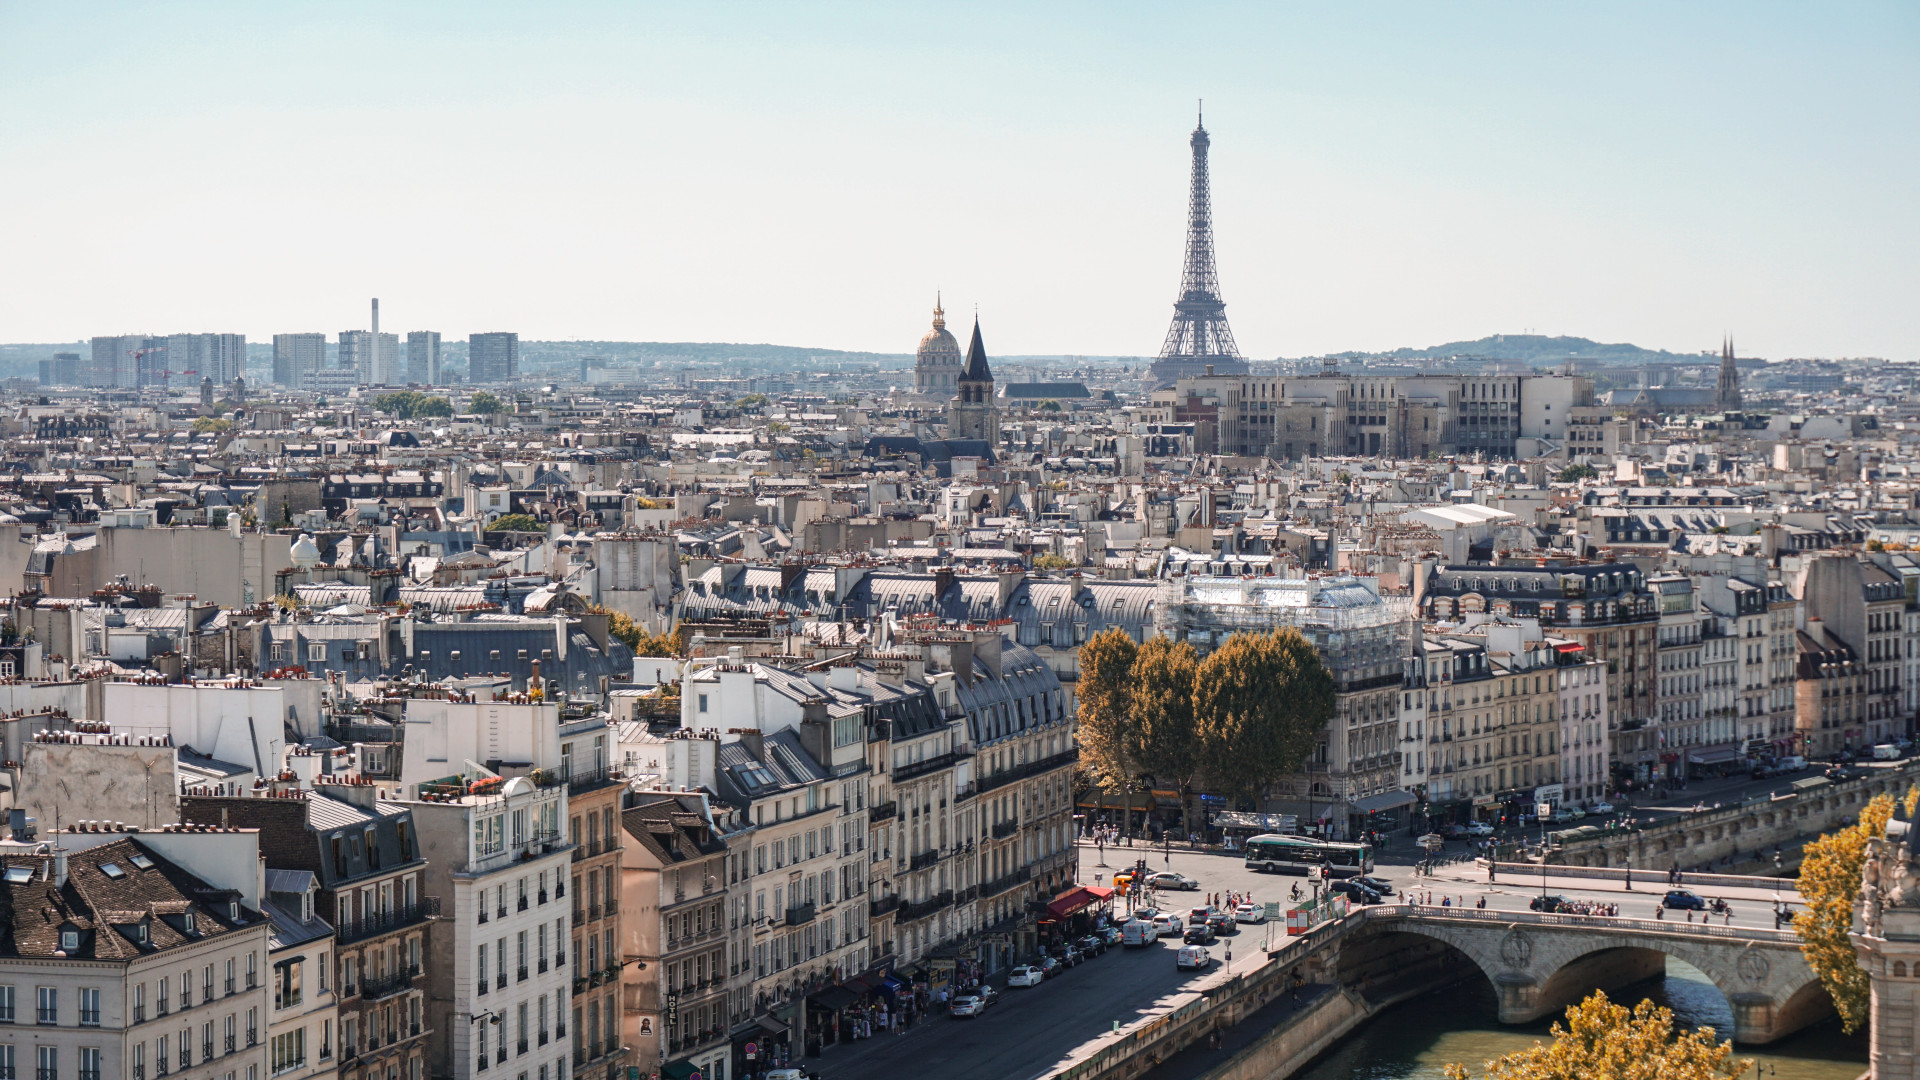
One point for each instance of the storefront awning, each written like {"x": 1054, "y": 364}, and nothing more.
{"x": 832, "y": 999}
{"x": 771, "y": 1026}
{"x": 1070, "y": 902}
{"x": 1100, "y": 892}
{"x": 1714, "y": 757}
{"x": 1386, "y": 800}
{"x": 678, "y": 1070}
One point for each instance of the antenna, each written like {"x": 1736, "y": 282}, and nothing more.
{"x": 1200, "y": 112}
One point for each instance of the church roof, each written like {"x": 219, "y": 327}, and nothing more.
{"x": 977, "y": 370}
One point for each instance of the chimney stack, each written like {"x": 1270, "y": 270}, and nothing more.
{"x": 376, "y": 314}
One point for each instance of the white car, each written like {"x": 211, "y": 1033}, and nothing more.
{"x": 1169, "y": 925}
{"x": 1601, "y": 807}
{"x": 1479, "y": 828}
{"x": 968, "y": 1005}
{"x": 1250, "y": 913}
{"x": 1026, "y": 976}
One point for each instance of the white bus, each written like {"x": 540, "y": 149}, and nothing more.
{"x": 1302, "y": 854}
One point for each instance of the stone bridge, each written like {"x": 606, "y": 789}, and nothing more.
{"x": 1540, "y": 963}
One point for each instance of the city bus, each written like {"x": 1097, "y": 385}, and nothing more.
{"x": 1303, "y": 854}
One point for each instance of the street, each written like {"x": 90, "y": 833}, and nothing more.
{"x": 1033, "y": 1029}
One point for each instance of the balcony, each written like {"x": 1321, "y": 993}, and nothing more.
{"x": 581, "y": 781}
{"x": 883, "y": 811}
{"x": 1004, "y": 829}
{"x": 387, "y": 922}
{"x": 385, "y": 986}
{"x": 877, "y": 908}
{"x": 923, "y": 860}
{"x": 1003, "y": 883}
{"x": 1031, "y": 768}
{"x": 800, "y": 914}
{"x": 914, "y": 769}
{"x": 923, "y": 908}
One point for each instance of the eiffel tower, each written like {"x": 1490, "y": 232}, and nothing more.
{"x": 1199, "y": 337}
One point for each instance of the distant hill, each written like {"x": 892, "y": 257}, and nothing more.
{"x": 1535, "y": 349}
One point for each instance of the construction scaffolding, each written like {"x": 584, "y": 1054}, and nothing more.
{"x": 1361, "y": 636}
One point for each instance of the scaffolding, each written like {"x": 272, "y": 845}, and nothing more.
{"x": 1360, "y": 635}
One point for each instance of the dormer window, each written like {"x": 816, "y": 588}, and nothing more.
{"x": 70, "y": 940}
{"x": 192, "y": 927}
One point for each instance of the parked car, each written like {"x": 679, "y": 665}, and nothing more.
{"x": 1025, "y": 975}
{"x": 1222, "y": 923}
{"x": 1192, "y": 958}
{"x": 1113, "y": 934}
{"x": 1600, "y": 806}
{"x": 987, "y": 994}
{"x": 1250, "y": 913}
{"x": 967, "y": 1004}
{"x": 1547, "y": 903}
{"x": 1199, "y": 934}
{"x": 1066, "y": 953}
{"x": 1479, "y": 828}
{"x": 1050, "y": 966}
{"x": 1173, "y": 879}
{"x": 1682, "y": 899}
{"x": 1091, "y": 945}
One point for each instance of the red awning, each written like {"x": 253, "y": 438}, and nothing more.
{"x": 1071, "y": 901}
{"x": 1100, "y": 892}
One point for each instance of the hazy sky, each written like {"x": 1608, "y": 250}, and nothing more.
{"x": 809, "y": 174}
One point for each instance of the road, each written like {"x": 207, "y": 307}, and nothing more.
{"x": 1033, "y": 1029}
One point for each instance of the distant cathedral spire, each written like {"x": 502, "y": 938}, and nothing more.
{"x": 1727, "y": 390}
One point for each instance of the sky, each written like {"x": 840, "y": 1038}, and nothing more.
{"x": 1384, "y": 174}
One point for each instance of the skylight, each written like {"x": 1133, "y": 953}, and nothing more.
{"x": 19, "y": 875}
{"x": 142, "y": 862}
{"x": 112, "y": 870}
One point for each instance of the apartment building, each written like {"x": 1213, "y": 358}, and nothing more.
{"x": 1582, "y": 684}
{"x": 675, "y": 967}
{"x": 1680, "y": 727}
{"x": 594, "y": 792}
{"x": 134, "y": 957}
{"x": 363, "y": 857}
{"x": 498, "y": 975}
{"x": 303, "y": 1022}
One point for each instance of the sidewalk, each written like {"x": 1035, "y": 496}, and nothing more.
{"x": 1197, "y": 1060}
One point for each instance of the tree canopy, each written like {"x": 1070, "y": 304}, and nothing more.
{"x": 1603, "y": 1041}
{"x": 1260, "y": 704}
{"x": 211, "y": 425}
{"x": 622, "y": 628}
{"x": 484, "y": 402}
{"x": 1577, "y": 472}
{"x": 407, "y": 404}
{"x": 1830, "y": 870}
{"x": 515, "y": 523}
{"x": 1106, "y": 706}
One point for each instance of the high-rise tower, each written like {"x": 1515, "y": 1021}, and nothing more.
{"x": 1727, "y": 393}
{"x": 1199, "y": 336}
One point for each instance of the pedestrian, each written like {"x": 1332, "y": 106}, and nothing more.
{"x": 1729, "y": 916}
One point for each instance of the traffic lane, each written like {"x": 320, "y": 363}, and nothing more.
{"x": 1030, "y": 1029}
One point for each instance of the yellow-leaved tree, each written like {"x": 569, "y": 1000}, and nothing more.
{"x": 1604, "y": 1041}
{"x": 1830, "y": 871}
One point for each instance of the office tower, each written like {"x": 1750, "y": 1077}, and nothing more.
{"x": 492, "y": 357}
{"x": 220, "y": 357}
{"x": 121, "y": 360}
{"x": 423, "y": 357}
{"x": 375, "y": 356}
{"x": 65, "y": 369}
{"x": 296, "y": 357}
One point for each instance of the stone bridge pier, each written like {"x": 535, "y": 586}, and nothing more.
{"x": 1540, "y": 964}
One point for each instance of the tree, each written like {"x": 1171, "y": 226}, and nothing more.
{"x": 1106, "y": 707}
{"x": 1260, "y": 703}
{"x": 750, "y": 402}
{"x": 1162, "y": 739}
{"x": 1050, "y": 405}
{"x": 485, "y": 403}
{"x": 515, "y": 523}
{"x": 407, "y": 404}
{"x": 622, "y": 628}
{"x": 1603, "y": 1041}
{"x": 1049, "y": 561}
{"x": 1830, "y": 869}
{"x": 1572, "y": 473}
{"x": 213, "y": 425}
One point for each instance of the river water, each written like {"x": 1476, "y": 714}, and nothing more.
{"x": 1415, "y": 1040}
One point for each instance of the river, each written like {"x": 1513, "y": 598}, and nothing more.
{"x": 1415, "y": 1040}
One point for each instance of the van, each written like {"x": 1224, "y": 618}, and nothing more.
{"x": 1192, "y": 958}
{"x": 1138, "y": 932}
{"x": 1886, "y": 752}
{"x": 1792, "y": 764}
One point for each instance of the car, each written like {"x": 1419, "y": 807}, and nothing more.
{"x": 1682, "y": 899}
{"x": 1792, "y": 763}
{"x": 1250, "y": 913}
{"x": 987, "y": 994}
{"x": 966, "y": 1004}
{"x": 1547, "y": 903}
{"x": 1354, "y": 891}
{"x": 1050, "y": 966}
{"x": 1375, "y": 884}
{"x": 1068, "y": 954}
{"x": 1199, "y": 934}
{"x": 1113, "y": 934}
{"x": 1091, "y": 945}
{"x": 1222, "y": 923}
{"x": 1025, "y": 975}
{"x": 1600, "y": 806}
{"x": 1479, "y": 828}
{"x": 1173, "y": 880}
{"x": 1453, "y": 831}
{"x": 1139, "y": 932}
{"x": 1192, "y": 958}
{"x": 1200, "y": 914}
{"x": 1168, "y": 925}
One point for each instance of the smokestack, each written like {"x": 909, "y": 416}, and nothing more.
{"x": 376, "y": 314}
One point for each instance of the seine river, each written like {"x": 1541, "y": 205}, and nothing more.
{"x": 1415, "y": 1040}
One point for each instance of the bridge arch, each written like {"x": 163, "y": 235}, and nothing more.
{"x": 1539, "y": 969}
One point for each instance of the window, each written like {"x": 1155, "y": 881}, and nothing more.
{"x": 139, "y": 1062}
{"x": 6, "y": 1004}
{"x": 290, "y": 1050}
{"x": 89, "y": 1063}
{"x": 49, "y": 1005}
{"x": 89, "y": 1006}
{"x": 253, "y": 1027}
{"x": 232, "y": 1034}
{"x": 326, "y": 1039}
{"x": 162, "y": 1064}
{"x": 317, "y": 652}
{"x": 49, "y": 1063}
